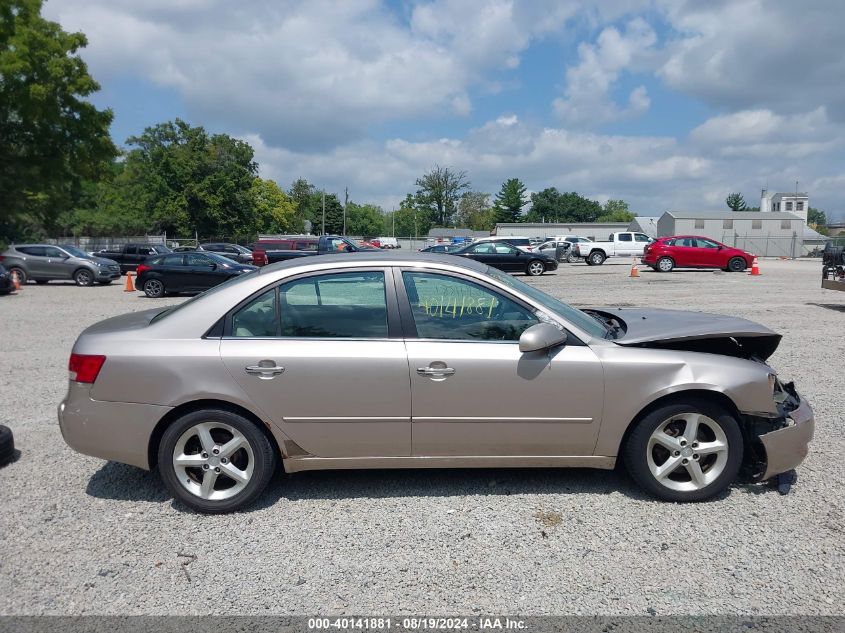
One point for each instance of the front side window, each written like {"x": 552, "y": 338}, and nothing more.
{"x": 625, "y": 237}
{"x": 52, "y": 251}
{"x": 451, "y": 308}
{"x": 484, "y": 248}
{"x": 341, "y": 305}
{"x": 702, "y": 243}
{"x": 168, "y": 260}
{"x": 195, "y": 259}
{"x": 506, "y": 249}
{"x": 641, "y": 237}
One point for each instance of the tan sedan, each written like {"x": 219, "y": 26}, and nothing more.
{"x": 378, "y": 360}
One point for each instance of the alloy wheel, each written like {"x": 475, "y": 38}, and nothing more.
{"x": 154, "y": 288}
{"x": 536, "y": 268}
{"x": 665, "y": 265}
{"x": 213, "y": 461}
{"x": 687, "y": 452}
{"x": 83, "y": 278}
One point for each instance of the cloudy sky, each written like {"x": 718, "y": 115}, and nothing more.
{"x": 666, "y": 104}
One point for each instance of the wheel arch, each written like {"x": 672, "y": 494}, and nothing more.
{"x": 716, "y": 397}
{"x": 82, "y": 267}
{"x": 196, "y": 405}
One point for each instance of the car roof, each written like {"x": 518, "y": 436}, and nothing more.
{"x": 377, "y": 258}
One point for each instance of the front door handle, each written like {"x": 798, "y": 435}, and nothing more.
{"x": 264, "y": 370}
{"x": 435, "y": 372}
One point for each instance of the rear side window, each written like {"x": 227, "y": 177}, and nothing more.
{"x": 306, "y": 246}
{"x": 35, "y": 251}
{"x": 340, "y": 305}
{"x": 169, "y": 260}
{"x": 257, "y": 318}
{"x": 625, "y": 237}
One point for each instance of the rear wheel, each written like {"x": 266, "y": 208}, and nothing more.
{"x": 215, "y": 461}
{"x": 596, "y": 258}
{"x": 736, "y": 265}
{"x": 535, "y": 268}
{"x": 154, "y": 288}
{"x": 83, "y": 277}
{"x": 572, "y": 258}
{"x": 665, "y": 265}
{"x": 689, "y": 451}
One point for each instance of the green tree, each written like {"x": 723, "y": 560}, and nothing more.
{"x": 439, "y": 191}
{"x": 309, "y": 204}
{"x": 549, "y": 205}
{"x": 366, "y": 220}
{"x": 334, "y": 215}
{"x": 52, "y": 138}
{"x": 615, "y": 211}
{"x": 185, "y": 180}
{"x": 411, "y": 219}
{"x": 816, "y": 217}
{"x": 510, "y": 200}
{"x": 274, "y": 211}
{"x": 475, "y": 212}
{"x": 735, "y": 202}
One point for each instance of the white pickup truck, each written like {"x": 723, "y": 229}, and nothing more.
{"x": 624, "y": 244}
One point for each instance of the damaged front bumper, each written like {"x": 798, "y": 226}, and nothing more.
{"x": 785, "y": 440}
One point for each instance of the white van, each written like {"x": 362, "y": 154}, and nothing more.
{"x": 388, "y": 242}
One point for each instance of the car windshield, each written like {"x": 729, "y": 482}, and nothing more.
{"x": 76, "y": 252}
{"x": 592, "y": 326}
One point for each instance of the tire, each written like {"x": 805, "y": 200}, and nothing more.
{"x": 83, "y": 277}
{"x": 20, "y": 273}
{"x": 664, "y": 265}
{"x": 645, "y": 455}
{"x": 572, "y": 258}
{"x": 41, "y": 282}
{"x": 253, "y": 461}
{"x": 154, "y": 288}
{"x": 535, "y": 268}
{"x": 736, "y": 265}
{"x": 596, "y": 258}
{"x": 7, "y": 445}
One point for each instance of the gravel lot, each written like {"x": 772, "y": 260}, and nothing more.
{"x": 82, "y": 536}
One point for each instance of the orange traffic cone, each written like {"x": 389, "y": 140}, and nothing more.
{"x": 635, "y": 272}
{"x": 755, "y": 268}
{"x": 129, "y": 287}
{"x": 16, "y": 281}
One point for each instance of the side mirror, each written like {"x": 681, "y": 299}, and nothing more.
{"x": 213, "y": 266}
{"x": 719, "y": 247}
{"x": 541, "y": 336}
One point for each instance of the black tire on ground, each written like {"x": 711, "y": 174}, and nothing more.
{"x": 596, "y": 258}
{"x": 535, "y": 268}
{"x": 154, "y": 288}
{"x": 83, "y": 277}
{"x": 636, "y": 450}
{"x": 664, "y": 265}
{"x": 41, "y": 282}
{"x": 736, "y": 265}
{"x": 264, "y": 456}
{"x": 7, "y": 445}
{"x": 20, "y": 273}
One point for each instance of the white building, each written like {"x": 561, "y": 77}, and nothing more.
{"x": 796, "y": 203}
{"x": 593, "y": 230}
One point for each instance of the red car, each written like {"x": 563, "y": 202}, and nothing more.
{"x": 691, "y": 251}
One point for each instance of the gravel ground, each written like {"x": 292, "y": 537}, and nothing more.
{"x": 82, "y": 536}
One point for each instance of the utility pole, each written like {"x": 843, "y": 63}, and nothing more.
{"x": 323, "y": 231}
{"x": 393, "y": 217}
{"x": 345, "y": 203}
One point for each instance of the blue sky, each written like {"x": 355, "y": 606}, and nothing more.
{"x": 663, "y": 103}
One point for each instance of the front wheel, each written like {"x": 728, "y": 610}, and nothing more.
{"x": 215, "y": 461}
{"x": 572, "y": 258}
{"x": 596, "y": 258}
{"x": 154, "y": 288}
{"x": 688, "y": 451}
{"x": 83, "y": 277}
{"x": 736, "y": 265}
{"x": 535, "y": 268}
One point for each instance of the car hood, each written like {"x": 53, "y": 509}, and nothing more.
{"x": 693, "y": 331}
{"x": 104, "y": 261}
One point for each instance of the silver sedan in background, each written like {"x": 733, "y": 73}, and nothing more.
{"x": 377, "y": 360}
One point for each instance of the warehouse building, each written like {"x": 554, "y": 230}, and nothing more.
{"x": 593, "y": 230}
{"x": 768, "y": 234}
{"x": 644, "y": 224}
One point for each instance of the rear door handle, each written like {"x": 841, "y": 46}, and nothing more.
{"x": 265, "y": 372}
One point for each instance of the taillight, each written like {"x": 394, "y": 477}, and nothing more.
{"x": 259, "y": 258}
{"x": 85, "y": 367}
{"x": 142, "y": 268}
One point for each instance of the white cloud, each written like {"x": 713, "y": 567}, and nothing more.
{"x": 587, "y": 100}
